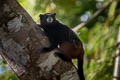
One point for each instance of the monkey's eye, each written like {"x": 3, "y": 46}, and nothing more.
{"x": 49, "y": 20}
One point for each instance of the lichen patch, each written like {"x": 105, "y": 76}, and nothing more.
{"x": 70, "y": 75}
{"x": 15, "y": 24}
{"x": 49, "y": 63}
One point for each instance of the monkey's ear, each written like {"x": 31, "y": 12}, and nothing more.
{"x": 40, "y": 15}
{"x": 54, "y": 14}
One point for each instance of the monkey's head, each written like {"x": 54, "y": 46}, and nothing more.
{"x": 47, "y": 18}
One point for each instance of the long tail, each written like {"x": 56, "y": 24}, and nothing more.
{"x": 80, "y": 70}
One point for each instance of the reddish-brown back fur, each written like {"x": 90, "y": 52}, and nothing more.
{"x": 72, "y": 50}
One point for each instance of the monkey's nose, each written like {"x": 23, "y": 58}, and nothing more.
{"x": 49, "y": 20}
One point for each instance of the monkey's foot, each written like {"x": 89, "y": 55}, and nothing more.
{"x": 58, "y": 54}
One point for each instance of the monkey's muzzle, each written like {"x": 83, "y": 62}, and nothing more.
{"x": 49, "y": 20}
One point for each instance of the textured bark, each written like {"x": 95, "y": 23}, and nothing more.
{"x": 21, "y": 41}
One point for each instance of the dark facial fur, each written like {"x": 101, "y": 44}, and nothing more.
{"x": 47, "y": 18}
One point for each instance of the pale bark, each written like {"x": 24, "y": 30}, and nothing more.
{"x": 116, "y": 75}
{"x": 21, "y": 41}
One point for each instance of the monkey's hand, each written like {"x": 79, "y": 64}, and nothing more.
{"x": 46, "y": 49}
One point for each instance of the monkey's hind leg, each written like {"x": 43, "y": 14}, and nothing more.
{"x": 61, "y": 55}
{"x": 50, "y": 48}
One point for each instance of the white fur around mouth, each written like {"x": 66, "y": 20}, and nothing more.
{"x": 49, "y": 19}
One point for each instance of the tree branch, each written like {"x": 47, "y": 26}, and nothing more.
{"x": 116, "y": 75}
{"x": 96, "y": 14}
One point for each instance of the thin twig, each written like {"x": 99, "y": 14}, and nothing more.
{"x": 96, "y": 14}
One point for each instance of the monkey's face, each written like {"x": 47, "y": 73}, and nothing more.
{"x": 47, "y": 18}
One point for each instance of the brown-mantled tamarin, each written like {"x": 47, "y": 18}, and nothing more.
{"x": 70, "y": 46}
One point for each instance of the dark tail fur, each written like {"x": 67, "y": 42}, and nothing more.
{"x": 80, "y": 70}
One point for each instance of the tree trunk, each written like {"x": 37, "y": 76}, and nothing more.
{"x": 21, "y": 41}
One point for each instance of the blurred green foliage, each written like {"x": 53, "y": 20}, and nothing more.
{"x": 98, "y": 37}
{"x": 8, "y": 75}
{"x": 5, "y": 72}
